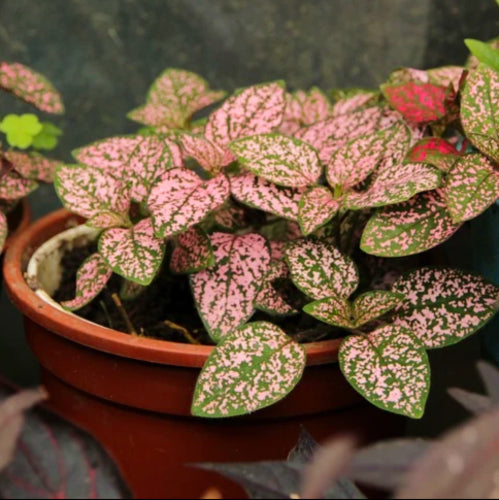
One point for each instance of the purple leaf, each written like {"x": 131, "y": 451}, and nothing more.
{"x": 91, "y": 278}
{"x": 173, "y": 98}
{"x": 320, "y": 270}
{"x": 372, "y": 305}
{"x": 134, "y": 253}
{"x": 390, "y": 368}
{"x": 471, "y": 187}
{"x": 479, "y": 110}
{"x": 434, "y": 151}
{"x": 305, "y": 449}
{"x": 4, "y": 230}
{"x": 139, "y": 160}
{"x": 490, "y": 376}
{"x": 317, "y": 207}
{"x": 255, "y": 110}
{"x": 336, "y": 311}
{"x": 208, "y": 154}
{"x": 283, "y": 160}
{"x": 444, "y": 306}
{"x": 253, "y": 368}
{"x": 33, "y": 165}
{"x": 410, "y": 228}
{"x": 31, "y": 87}
{"x": 193, "y": 252}
{"x": 15, "y": 187}
{"x": 182, "y": 199}
{"x": 264, "y": 195}
{"x": 225, "y": 294}
{"x": 89, "y": 191}
{"x": 474, "y": 403}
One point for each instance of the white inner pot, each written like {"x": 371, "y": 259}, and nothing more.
{"x": 45, "y": 271}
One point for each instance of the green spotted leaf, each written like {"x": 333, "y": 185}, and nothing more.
{"x": 373, "y": 305}
{"x": 316, "y": 208}
{"x": 390, "y": 368}
{"x": 336, "y": 311}
{"x": 253, "y": 368}
{"x": 443, "y": 306}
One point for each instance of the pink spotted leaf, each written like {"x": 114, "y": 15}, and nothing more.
{"x": 15, "y": 187}
{"x": 471, "y": 187}
{"x": 33, "y": 165}
{"x": 444, "y": 306}
{"x": 90, "y": 192}
{"x": 140, "y": 160}
{"x": 173, "y": 98}
{"x": 182, "y": 199}
{"x": 480, "y": 110}
{"x": 434, "y": 151}
{"x": 253, "y": 368}
{"x": 255, "y": 110}
{"x": 208, "y": 154}
{"x": 410, "y": 228}
{"x": 193, "y": 252}
{"x": 31, "y": 87}
{"x": 283, "y": 160}
{"x": 353, "y": 101}
{"x": 446, "y": 76}
{"x": 266, "y": 196}
{"x": 225, "y": 294}
{"x": 4, "y": 230}
{"x": 320, "y": 270}
{"x": 317, "y": 207}
{"x": 373, "y": 305}
{"x": 336, "y": 311}
{"x": 134, "y": 253}
{"x": 91, "y": 278}
{"x": 230, "y": 216}
{"x": 390, "y": 368}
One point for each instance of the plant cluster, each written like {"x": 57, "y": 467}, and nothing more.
{"x": 19, "y": 170}
{"x": 289, "y": 203}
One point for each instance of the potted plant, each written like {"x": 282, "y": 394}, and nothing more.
{"x": 20, "y": 170}
{"x": 319, "y": 216}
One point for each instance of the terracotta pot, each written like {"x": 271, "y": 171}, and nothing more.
{"x": 134, "y": 394}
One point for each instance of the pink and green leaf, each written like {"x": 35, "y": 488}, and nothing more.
{"x": 142, "y": 161}
{"x": 31, "y": 87}
{"x": 91, "y": 278}
{"x": 471, "y": 187}
{"x": 15, "y": 187}
{"x": 480, "y": 110}
{"x": 320, "y": 270}
{"x": 134, "y": 253}
{"x": 4, "y": 230}
{"x": 230, "y": 216}
{"x": 434, "y": 151}
{"x": 317, "y": 207}
{"x": 443, "y": 306}
{"x": 335, "y": 311}
{"x": 33, "y": 165}
{"x": 193, "y": 252}
{"x": 350, "y": 103}
{"x": 225, "y": 294}
{"x": 254, "y": 367}
{"x": 390, "y": 368}
{"x": 208, "y": 154}
{"x": 373, "y": 305}
{"x": 446, "y": 76}
{"x": 182, "y": 199}
{"x": 410, "y": 228}
{"x": 173, "y": 98}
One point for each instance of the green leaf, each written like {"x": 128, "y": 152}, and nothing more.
{"x": 253, "y": 368}
{"x": 484, "y": 53}
{"x": 372, "y": 305}
{"x": 21, "y": 130}
{"x": 336, "y": 311}
{"x": 390, "y": 368}
{"x": 444, "y": 306}
{"x": 48, "y": 138}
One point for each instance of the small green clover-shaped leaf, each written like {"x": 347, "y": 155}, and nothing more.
{"x": 21, "y": 129}
{"x": 253, "y": 368}
{"x": 390, "y": 368}
{"x": 48, "y": 138}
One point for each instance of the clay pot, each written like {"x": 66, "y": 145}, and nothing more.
{"x": 134, "y": 394}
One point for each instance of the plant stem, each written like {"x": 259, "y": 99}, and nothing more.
{"x": 183, "y": 330}
{"x": 124, "y": 314}
{"x": 106, "y": 313}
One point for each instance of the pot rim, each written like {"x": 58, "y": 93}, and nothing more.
{"x": 99, "y": 337}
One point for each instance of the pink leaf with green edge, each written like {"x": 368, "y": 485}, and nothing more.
{"x": 417, "y": 102}
{"x": 410, "y": 228}
{"x": 91, "y": 278}
{"x": 283, "y": 160}
{"x": 396, "y": 184}
{"x": 261, "y": 194}
{"x": 182, "y": 199}
{"x": 390, "y": 368}
{"x": 107, "y": 220}
{"x": 230, "y": 216}
{"x": 255, "y": 110}
{"x": 4, "y": 230}
{"x": 89, "y": 191}
{"x": 269, "y": 299}
{"x": 139, "y": 160}
{"x": 31, "y": 87}
{"x": 225, "y": 294}
{"x": 253, "y": 368}
{"x": 33, "y": 165}
{"x": 446, "y": 75}
{"x": 373, "y": 305}
{"x": 480, "y": 110}
{"x": 443, "y": 306}
{"x": 406, "y": 75}
{"x": 193, "y": 252}
{"x": 208, "y": 154}
{"x": 336, "y": 311}
{"x": 173, "y": 98}
{"x": 320, "y": 270}
{"x": 15, "y": 187}
{"x": 277, "y": 249}
{"x": 317, "y": 207}
{"x": 351, "y": 103}
{"x": 434, "y": 151}
{"x": 471, "y": 187}
{"x": 134, "y": 253}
